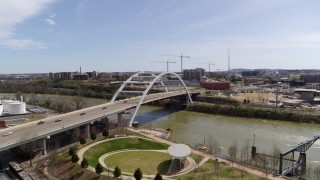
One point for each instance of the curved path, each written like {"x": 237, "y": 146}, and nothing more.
{"x": 248, "y": 169}
{"x": 190, "y": 167}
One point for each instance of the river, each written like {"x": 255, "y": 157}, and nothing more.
{"x": 192, "y": 127}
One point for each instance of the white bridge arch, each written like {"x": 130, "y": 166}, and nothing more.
{"x": 155, "y": 78}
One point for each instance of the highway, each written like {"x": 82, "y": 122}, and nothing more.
{"x": 31, "y": 131}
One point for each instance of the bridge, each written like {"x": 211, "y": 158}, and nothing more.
{"x": 33, "y": 131}
{"x": 301, "y": 162}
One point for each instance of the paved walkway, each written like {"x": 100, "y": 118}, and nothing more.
{"x": 248, "y": 169}
{"x": 191, "y": 166}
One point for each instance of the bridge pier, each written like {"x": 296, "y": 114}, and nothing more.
{"x": 88, "y": 130}
{"x": 303, "y": 158}
{"x": 120, "y": 119}
{"x": 44, "y": 146}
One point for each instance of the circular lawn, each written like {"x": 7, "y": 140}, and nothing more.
{"x": 150, "y": 162}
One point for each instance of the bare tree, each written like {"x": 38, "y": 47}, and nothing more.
{"x": 18, "y": 95}
{"x": 245, "y": 151}
{"x": 75, "y": 135}
{"x": 233, "y": 150}
{"x": 33, "y": 99}
{"x": 276, "y": 155}
{"x": 47, "y": 102}
{"x": 78, "y": 102}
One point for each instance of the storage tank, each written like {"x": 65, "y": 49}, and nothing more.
{"x": 17, "y": 108}
{"x": 6, "y": 103}
{"x": 1, "y": 109}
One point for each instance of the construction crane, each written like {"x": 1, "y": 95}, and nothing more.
{"x": 168, "y": 62}
{"x": 181, "y": 58}
{"x": 209, "y": 64}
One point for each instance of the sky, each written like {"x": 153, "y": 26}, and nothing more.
{"x": 40, "y": 36}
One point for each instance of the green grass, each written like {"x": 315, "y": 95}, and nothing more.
{"x": 196, "y": 158}
{"x": 93, "y": 154}
{"x": 148, "y": 161}
{"x": 209, "y": 172}
{"x": 136, "y": 134}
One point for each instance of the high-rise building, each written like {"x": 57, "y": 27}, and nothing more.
{"x": 193, "y": 74}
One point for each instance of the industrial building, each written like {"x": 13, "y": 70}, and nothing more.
{"x": 310, "y": 78}
{"x": 215, "y": 85}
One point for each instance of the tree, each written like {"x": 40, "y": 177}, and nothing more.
{"x": 233, "y": 150}
{"x": 82, "y": 140}
{"x": 72, "y": 150}
{"x": 93, "y": 136}
{"x": 99, "y": 169}
{"x": 158, "y": 177}
{"x": 75, "y": 134}
{"x": 117, "y": 172}
{"x": 78, "y": 102}
{"x": 84, "y": 163}
{"x": 75, "y": 158}
{"x": 138, "y": 174}
{"x": 53, "y": 156}
{"x": 105, "y": 133}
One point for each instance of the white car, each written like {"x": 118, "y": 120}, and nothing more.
{"x": 7, "y": 133}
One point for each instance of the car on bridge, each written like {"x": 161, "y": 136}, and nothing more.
{"x": 83, "y": 113}
{"x": 58, "y": 120}
{"x": 7, "y": 133}
{"x": 40, "y": 122}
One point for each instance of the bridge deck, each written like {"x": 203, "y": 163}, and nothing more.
{"x": 31, "y": 131}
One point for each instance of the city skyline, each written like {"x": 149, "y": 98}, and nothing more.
{"x": 56, "y": 35}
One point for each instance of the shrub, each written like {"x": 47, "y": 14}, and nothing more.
{"x": 84, "y": 163}
{"x": 99, "y": 169}
{"x": 117, "y": 172}
{"x": 105, "y": 133}
{"x": 93, "y": 136}
{"x": 82, "y": 140}
{"x": 75, "y": 158}
{"x": 72, "y": 151}
{"x": 158, "y": 177}
{"x": 138, "y": 174}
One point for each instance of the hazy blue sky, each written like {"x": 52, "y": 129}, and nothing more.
{"x": 125, "y": 35}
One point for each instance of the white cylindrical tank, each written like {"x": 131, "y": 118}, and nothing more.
{"x": 6, "y": 103}
{"x": 17, "y": 108}
{"x": 1, "y": 109}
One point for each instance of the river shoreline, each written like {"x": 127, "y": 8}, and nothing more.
{"x": 251, "y": 112}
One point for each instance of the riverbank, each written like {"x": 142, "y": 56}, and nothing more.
{"x": 252, "y": 112}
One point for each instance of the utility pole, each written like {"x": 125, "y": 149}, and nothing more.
{"x": 277, "y": 90}
{"x": 228, "y": 61}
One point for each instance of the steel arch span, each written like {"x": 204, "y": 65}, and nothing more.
{"x": 156, "y": 78}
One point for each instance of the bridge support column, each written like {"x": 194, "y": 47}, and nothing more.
{"x": 303, "y": 158}
{"x": 120, "y": 119}
{"x": 44, "y": 146}
{"x": 88, "y": 130}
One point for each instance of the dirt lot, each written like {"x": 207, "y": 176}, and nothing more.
{"x": 253, "y": 97}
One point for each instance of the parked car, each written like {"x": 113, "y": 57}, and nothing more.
{"x": 7, "y": 133}
{"x": 40, "y": 122}
{"x": 104, "y": 107}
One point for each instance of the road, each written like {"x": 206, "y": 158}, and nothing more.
{"x": 25, "y": 133}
